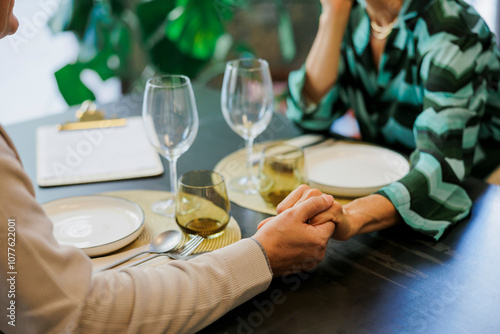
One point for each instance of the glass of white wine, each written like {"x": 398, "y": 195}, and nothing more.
{"x": 170, "y": 119}
{"x": 202, "y": 205}
{"x": 281, "y": 170}
{"x": 247, "y": 102}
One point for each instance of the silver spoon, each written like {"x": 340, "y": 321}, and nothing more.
{"x": 162, "y": 243}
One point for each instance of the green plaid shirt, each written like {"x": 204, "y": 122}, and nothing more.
{"x": 435, "y": 92}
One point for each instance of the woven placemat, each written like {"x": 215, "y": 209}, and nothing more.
{"x": 234, "y": 165}
{"x": 155, "y": 223}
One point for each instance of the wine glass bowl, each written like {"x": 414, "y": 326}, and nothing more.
{"x": 171, "y": 123}
{"x": 247, "y": 102}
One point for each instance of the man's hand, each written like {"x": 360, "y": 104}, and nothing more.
{"x": 363, "y": 215}
{"x": 344, "y": 228}
{"x": 293, "y": 245}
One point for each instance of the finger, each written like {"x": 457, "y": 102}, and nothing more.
{"x": 334, "y": 214}
{"x": 326, "y": 229}
{"x": 305, "y": 193}
{"x": 311, "y": 207}
{"x": 311, "y": 192}
{"x": 262, "y": 223}
{"x": 292, "y": 198}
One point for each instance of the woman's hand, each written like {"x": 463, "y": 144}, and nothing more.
{"x": 335, "y": 214}
{"x": 363, "y": 215}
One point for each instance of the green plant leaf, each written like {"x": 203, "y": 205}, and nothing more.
{"x": 244, "y": 50}
{"x": 73, "y": 15}
{"x": 168, "y": 59}
{"x": 106, "y": 45}
{"x": 195, "y": 27}
{"x": 153, "y": 14}
{"x": 98, "y": 33}
{"x": 121, "y": 41}
{"x": 285, "y": 33}
{"x": 117, "y": 6}
{"x": 179, "y": 36}
{"x": 71, "y": 86}
{"x": 100, "y": 64}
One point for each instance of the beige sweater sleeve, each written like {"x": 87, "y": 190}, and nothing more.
{"x": 55, "y": 291}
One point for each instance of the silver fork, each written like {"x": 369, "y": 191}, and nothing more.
{"x": 175, "y": 254}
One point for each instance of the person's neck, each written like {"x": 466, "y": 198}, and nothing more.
{"x": 383, "y": 12}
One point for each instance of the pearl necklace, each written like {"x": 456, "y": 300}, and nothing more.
{"x": 379, "y": 32}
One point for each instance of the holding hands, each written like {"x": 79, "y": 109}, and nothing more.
{"x": 296, "y": 239}
{"x": 334, "y": 214}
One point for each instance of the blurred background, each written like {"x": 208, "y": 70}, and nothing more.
{"x": 66, "y": 51}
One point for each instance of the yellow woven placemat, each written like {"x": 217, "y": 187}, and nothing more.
{"x": 155, "y": 223}
{"x": 234, "y": 165}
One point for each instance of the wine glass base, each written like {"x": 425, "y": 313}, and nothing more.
{"x": 244, "y": 185}
{"x": 165, "y": 208}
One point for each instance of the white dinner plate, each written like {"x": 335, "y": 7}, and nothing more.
{"x": 354, "y": 170}
{"x": 96, "y": 224}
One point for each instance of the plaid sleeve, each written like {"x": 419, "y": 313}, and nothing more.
{"x": 321, "y": 116}
{"x": 431, "y": 197}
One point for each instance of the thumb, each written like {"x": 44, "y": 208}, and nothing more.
{"x": 311, "y": 207}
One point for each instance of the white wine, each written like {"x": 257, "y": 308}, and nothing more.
{"x": 275, "y": 197}
{"x": 202, "y": 206}
{"x": 205, "y": 227}
{"x": 280, "y": 172}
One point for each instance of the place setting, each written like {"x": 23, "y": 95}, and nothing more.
{"x": 133, "y": 226}
{"x": 260, "y": 176}
{"x": 115, "y": 225}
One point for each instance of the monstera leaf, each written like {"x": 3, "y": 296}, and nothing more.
{"x": 104, "y": 48}
{"x": 72, "y": 16}
{"x": 195, "y": 26}
{"x": 171, "y": 36}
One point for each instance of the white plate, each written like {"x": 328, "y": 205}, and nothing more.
{"x": 354, "y": 170}
{"x": 96, "y": 224}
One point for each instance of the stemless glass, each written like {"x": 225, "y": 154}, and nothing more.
{"x": 171, "y": 122}
{"x": 202, "y": 205}
{"x": 281, "y": 171}
{"x": 247, "y": 105}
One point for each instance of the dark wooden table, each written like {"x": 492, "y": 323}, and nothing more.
{"x": 394, "y": 281}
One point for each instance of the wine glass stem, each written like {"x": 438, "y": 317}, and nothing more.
{"x": 172, "y": 162}
{"x": 249, "y": 146}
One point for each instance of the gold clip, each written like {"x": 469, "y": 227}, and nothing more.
{"x": 90, "y": 118}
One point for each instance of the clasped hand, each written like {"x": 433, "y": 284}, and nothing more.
{"x": 296, "y": 238}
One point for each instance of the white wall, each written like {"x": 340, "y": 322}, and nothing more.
{"x": 487, "y": 9}
{"x": 28, "y": 61}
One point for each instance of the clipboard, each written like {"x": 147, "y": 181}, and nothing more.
{"x": 94, "y": 150}
{"x": 88, "y": 117}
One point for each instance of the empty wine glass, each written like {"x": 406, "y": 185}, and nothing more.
{"x": 171, "y": 122}
{"x": 247, "y": 105}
